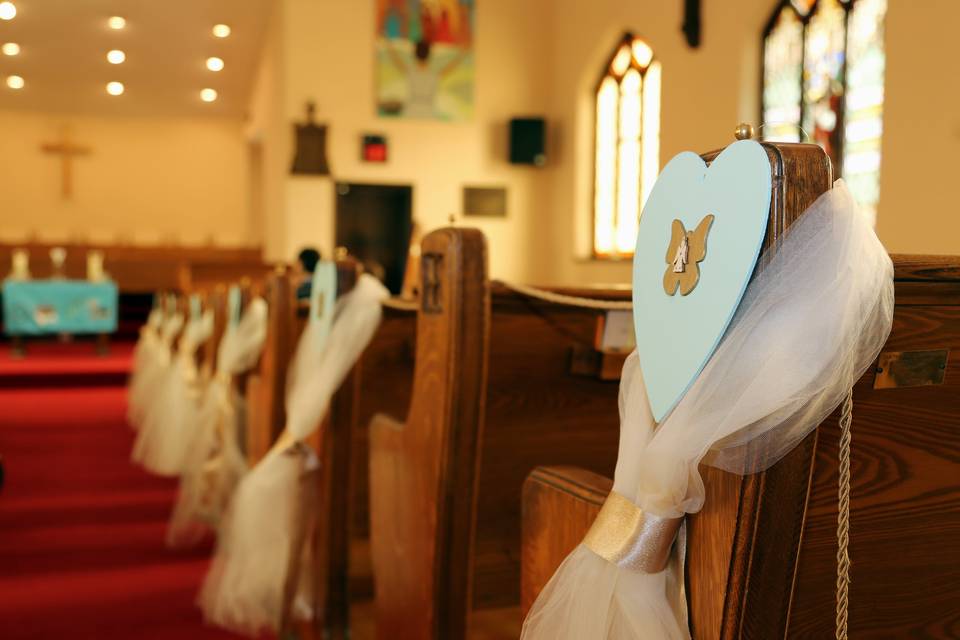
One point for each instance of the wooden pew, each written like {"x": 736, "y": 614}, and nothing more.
{"x": 905, "y": 492}
{"x": 422, "y": 477}
{"x": 266, "y": 384}
{"x": 542, "y": 403}
{"x": 214, "y": 299}
{"x": 329, "y": 497}
{"x": 326, "y": 498}
{"x": 743, "y": 577}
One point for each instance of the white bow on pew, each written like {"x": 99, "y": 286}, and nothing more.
{"x": 169, "y": 424}
{"x": 244, "y": 590}
{"x": 215, "y": 462}
{"x": 813, "y": 319}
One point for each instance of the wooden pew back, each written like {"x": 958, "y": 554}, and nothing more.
{"x": 422, "y": 492}
{"x": 267, "y": 383}
{"x": 543, "y": 407}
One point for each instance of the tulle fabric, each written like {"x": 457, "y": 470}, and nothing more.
{"x": 813, "y": 319}
{"x": 215, "y": 461}
{"x": 244, "y": 590}
{"x": 145, "y": 357}
{"x": 169, "y": 424}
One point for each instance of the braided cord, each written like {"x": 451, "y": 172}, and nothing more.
{"x": 570, "y": 301}
{"x": 536, "y": 293}
{"x": 843, "y": 518}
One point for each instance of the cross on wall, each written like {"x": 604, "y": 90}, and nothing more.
{"x": 67, "y": 150}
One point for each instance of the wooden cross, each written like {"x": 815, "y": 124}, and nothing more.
{"x": 66, "y": 150}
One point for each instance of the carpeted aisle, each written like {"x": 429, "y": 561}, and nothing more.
{"x": 82, "y": 550}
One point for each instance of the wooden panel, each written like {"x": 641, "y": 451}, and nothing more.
{"x": 538, "y": 413}
{"x": 206, "y": 275}
{"x": 145, "y": 269}
{"x": 329, "y": 499}
{"x": 267, "y": 383}
{"x": 905, "y": 500}
{"x": 216, "y": 300}
{"x": 559, "y": 506}
{"x": 384, "y": 382}
{"x": 422, "y": 482}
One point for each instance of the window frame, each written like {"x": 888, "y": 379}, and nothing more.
{"x": 627, "y": 39}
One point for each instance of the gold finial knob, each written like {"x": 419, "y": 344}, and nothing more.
{"x": 744, "y": 131}
{"x": 340, "y": 253}
{"x": 452, "y": 219}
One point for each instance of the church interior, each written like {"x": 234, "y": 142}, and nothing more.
{"x": 330, "y": 319}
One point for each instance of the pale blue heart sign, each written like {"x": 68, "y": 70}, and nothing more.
{"x": 323, "y": 296}
{"x": 698, "y": 241}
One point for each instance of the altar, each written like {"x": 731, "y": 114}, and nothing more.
{"x": 59, "y": 307}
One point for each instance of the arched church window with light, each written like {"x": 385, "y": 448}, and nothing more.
{"x": 627, "y": 145}
{"x": 823, "y": 66}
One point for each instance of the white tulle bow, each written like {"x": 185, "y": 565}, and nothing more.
{"x": 813, "y": 319}
{"x": 215, "y": 461}
{"x": 145, "y": 360}
{"x": 244, "y": 589}
{"x": 169, "y": 424}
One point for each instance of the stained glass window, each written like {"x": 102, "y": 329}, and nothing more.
{"x": 627, "y": 141}
{"x": 823, "y": 66}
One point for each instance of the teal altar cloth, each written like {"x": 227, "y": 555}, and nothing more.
{"x": 43, "y": 307}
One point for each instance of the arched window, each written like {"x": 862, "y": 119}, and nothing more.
{"x": 823, "y": 64}
{"x": 627, "y": 145}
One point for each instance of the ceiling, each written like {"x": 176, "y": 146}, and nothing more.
{"x": 64, "y": 45}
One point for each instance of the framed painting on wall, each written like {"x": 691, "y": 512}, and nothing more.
{"x": 425, "y": 61}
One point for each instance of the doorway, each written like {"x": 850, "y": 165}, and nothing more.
{"x": 374, "y": 222}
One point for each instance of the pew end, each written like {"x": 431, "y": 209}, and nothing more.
{"x": 558, "y": 506}
{"x": 422, "y": 498}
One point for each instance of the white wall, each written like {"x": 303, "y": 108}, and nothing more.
{"x": 328, "y": 48}
{"x": 146, "y": 180}
{"x": 707, "y": 91}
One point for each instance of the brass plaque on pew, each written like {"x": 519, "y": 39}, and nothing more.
{"x": 897, "y": 369}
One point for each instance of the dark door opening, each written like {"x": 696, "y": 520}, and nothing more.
{"x": 374, "y": 222}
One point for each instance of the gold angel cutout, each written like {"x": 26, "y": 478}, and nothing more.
{"x": 686, "y": 250}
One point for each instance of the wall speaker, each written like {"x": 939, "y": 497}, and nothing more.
{"x": 527, "y": 141}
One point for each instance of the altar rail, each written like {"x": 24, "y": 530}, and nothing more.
{"x": 146, "y": 269}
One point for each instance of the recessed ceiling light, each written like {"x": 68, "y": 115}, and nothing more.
{"x": 11, "y": 49}
{"x": 221, "y": 30}
{"x": 115, "y": 88}
{"x": 215, "y": 64}
{"x": 115, "y": 56}
{"x": 15, "y": 82}
{"x": 8, "y": 11}
{"x": 208, "y": 95}
{"x": 116, "y": 22}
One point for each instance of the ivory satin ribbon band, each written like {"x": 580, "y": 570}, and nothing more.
{"x": 626, "y": 536}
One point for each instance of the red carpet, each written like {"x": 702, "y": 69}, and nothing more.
{"x": 82, "y": 529}
{"x": 53, "y": 364}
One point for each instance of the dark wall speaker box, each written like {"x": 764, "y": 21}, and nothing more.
{"x": 527, "y": 141}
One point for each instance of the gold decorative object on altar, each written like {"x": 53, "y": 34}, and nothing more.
{"x": 20, "y": 267}
{"x": 686, "y": 250}
{"x": 58, "y": 256}
{"x": 95, "y": 272}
